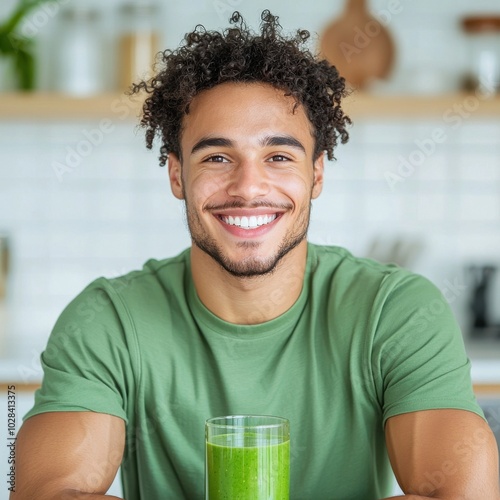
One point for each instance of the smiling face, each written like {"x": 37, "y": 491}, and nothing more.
{"x": 247, "y": 176}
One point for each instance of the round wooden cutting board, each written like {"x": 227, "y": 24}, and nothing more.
{"x": 358, "y": 45}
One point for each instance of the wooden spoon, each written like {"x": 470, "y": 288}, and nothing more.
{"x": 358, "y": 45}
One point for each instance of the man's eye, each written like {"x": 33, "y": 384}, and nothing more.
{"x": 279, "y": 158}
{"x": 216, "y": 159}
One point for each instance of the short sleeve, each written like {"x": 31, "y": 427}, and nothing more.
{"x": 419, "y": 356}
{"x": 86, "y": 363}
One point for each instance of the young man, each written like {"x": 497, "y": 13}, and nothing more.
{"x": 252, "y": 319}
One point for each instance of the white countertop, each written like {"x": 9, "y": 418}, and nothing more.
{"x": 485, "y": 371}
{"x": 485, "y": 361}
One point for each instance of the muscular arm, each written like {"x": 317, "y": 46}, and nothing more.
{"x": 444, "y": 454}
{"x": 68, "y": 455}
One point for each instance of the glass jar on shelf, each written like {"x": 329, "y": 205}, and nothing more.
{"x": 139, "y": 41}
{"x": 484, "y": 53}
{"x": 78, "y": 52}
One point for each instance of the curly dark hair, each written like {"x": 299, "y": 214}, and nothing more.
{"x": 208, "y": 58}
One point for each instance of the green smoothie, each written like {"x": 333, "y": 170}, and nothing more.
{"x": 247, "y": 469}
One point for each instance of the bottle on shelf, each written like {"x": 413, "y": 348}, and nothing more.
{"x": 484, "y": 53}
{"x": 139, "y": 41}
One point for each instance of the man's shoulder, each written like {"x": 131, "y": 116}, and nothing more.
{"x": 362, "y": 281}
{"x": 155, "y": 275}
{"x": 361, "y": 278}
{"x": 344, "y": 263}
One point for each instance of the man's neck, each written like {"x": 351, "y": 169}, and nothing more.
{"x": 248, "y": 301}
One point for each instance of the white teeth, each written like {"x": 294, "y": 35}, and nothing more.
{"x": 249, "y": 222}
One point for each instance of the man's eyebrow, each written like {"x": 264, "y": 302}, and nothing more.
{"x": 208, "y": 142}
{"x": 271, "y": 140}
{"x": 283, "y": 140}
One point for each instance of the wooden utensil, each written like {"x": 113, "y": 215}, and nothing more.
{"x": 358, "y": 45}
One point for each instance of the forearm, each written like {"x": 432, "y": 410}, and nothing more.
{"x": 76, "y": 495}
{"x": 67, "y": 495}
{"x": 410, "y": 497}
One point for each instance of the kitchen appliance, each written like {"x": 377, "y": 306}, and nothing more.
{"x": 491, "y": 408}
{"x": 482, "y": 301}
{"x": 358, "y": 45}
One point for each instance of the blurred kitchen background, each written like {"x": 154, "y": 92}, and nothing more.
{"x": 418, "y": 183}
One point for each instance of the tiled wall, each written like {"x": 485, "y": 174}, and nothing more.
{"x": 449, "y": 205}
{"x": 114, "y": 209}
{"x": 103, "y": 217}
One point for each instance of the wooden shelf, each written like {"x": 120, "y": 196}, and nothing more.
{"x": 20, "y": 387}
{"x": 446, "y": 107}
{"x": 483, "y": 390}
{"x": 47, "y": 106}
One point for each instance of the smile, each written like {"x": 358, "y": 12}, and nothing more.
{"x": 249, "y": 222}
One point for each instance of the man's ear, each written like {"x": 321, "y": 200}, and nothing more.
{"x": 318, "y": 175}
{"x": 175, "y": 175}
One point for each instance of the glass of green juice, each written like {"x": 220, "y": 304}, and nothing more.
{"x": 247, "y": 458}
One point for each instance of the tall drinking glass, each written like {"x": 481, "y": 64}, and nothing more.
{"x": 247, "y": 458}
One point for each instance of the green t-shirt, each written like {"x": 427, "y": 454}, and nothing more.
{"x": 363, "y": 342}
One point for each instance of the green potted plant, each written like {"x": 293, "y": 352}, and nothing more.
{"x": 17, "y": 48}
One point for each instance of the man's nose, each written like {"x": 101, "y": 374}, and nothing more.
{"x": 249, "y": 180}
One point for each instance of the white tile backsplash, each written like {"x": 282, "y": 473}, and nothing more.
{"x": 432, "y": 208}
{"x": 478, "y": 246}
{"x": 480, "y": 207}
{"x": 485, "y": 132}
{"x": 482, "y": 165}
{"x": 436, "y": 167}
